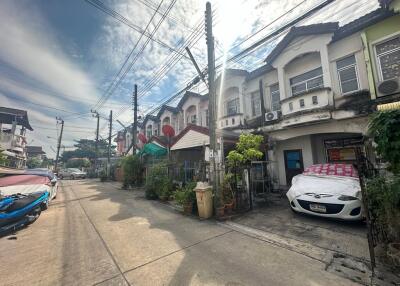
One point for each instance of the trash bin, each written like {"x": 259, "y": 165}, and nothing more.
{"x": 204, "y": 200}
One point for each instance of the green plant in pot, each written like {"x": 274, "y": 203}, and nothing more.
{"x": 165, "y": 190}
{"x": 227, "y": 193}
{"x": 185, "y": 197}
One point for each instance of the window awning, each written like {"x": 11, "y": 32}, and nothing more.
{"x": 153, "y": 150}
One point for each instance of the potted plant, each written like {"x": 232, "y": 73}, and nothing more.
{"x": 227, "y": 194}
{"x": 219, "y": 207}
{"x": 185, "y": 197}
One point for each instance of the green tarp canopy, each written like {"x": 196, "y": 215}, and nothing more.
{"x": 153, "y": 150}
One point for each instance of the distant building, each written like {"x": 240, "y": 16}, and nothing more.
{"x": 35, "y": 152}
{"x": 13, "y": 126}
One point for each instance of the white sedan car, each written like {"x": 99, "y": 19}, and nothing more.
{"x": 327, "y": 190}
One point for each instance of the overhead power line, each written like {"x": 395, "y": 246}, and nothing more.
{"x": 270, "y": 36}
{"x": 100, "y": 5}
{"x": 118, "y": 78}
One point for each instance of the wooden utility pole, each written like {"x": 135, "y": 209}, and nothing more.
{"x": 59, "y": 120}
{"x": 109, "y": 148}
{"x": 212, "y": 106}
{"x": 96, "y": 114}
{"x": 134, "y": 131}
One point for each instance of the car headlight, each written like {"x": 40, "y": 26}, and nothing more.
{"x": 346, "y": 198}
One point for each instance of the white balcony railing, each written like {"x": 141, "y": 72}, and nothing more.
{"x": 312, "y": 100}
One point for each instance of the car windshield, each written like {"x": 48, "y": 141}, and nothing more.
{"x": 74, "y": 170}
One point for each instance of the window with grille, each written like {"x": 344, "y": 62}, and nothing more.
{"x": 347, "y": 72}
{"x": 388, "y": 58}
{"x": 149, "y": 131}
{"x": 275, "y": 97}
{"x": 301, "y": 102}
{"x": 255, "y": 103}
{"x": 232, "y": 106}
{"x": 307, "y": 81}
{"x": 193, "y": 119}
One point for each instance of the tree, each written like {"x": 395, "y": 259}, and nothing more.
{"x": 32, "y": 163}
{"x": 384, "y": 128}
{"x": 78, "y": 163}
{"x": 133, "y": 170}
{"x": 247, "y": 150}
{"x": 3, "y": 159}
{"x": 86, "y": 148}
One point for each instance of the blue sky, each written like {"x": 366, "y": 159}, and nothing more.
{"x": 65, "y": 54}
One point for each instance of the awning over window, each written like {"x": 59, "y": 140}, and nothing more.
{"x": 153, "y": 150}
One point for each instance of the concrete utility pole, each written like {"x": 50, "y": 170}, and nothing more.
{"x": 212, "y": 107}
{"x": 96, "y": 114}
{"x": 134, "y": 131}
{"x": 109, "y": 148}
{"x": 59, "y": 120}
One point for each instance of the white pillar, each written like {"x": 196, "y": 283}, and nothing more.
{"x": 325, "y": 67}
{"x": 282, "y": 83}
{"x": 198, "y": 119}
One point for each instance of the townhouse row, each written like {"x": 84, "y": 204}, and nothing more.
{"x": 311, "y": 99}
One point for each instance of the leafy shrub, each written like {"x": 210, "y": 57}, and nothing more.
{"x": 133, "y": 171}
{"x": 384, "y": 127}
{"x": 384, "y": 202}
{"x": 78, "y": 163}
{"x": 226, "y": 188}
{"x": 103, "y": 176}
{"x": 155, "y": 180}
{"x": 186, "y": 194}
{"x": 32, "y": 163}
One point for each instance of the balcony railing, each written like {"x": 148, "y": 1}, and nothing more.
{"x": 317, "y": 99}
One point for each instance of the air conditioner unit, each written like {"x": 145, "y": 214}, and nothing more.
{"x": 388, "y": 87}
{"x": 271, "y": 116}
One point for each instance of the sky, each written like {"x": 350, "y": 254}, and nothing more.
{"x": 61, "y": 58}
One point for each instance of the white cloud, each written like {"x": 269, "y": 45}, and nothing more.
{"x": 33, "y": 51}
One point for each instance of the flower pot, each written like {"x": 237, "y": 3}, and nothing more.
{"x": 188, "y": 208}
{"x": 228, "y": 208}
{"x": 220, "y": 211}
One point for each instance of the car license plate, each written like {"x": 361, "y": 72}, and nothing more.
{"x": 318, "y": 208}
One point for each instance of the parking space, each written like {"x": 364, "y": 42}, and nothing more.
{"x": 275, "y": 216}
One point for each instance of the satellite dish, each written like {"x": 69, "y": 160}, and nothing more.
{"x": 168, "y": 130}
{"x": 142, "y": 138}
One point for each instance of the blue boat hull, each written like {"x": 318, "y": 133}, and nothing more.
{"x": 19, "y": 210}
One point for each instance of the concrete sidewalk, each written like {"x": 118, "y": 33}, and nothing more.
{"x": 96, "y": 234}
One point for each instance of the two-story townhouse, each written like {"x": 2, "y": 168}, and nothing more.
{"x": 169, "y": 115}
{"x": 231, "y": 102}
{"x": 151, "y": 126}
{"x": 193, "y": 109}
{"x": 13, "y": 141}
{"x": 311, "y": 98}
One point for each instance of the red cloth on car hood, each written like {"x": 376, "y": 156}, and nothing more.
{"x": 339, "y": 169}
{"x": 23, "y": 180}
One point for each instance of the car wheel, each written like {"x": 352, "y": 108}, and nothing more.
{"x": 72, "y": 177}
{"x": 60, "y": 177}
{"x": 44, "y": 206}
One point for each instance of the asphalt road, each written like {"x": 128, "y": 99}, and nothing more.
{"x": 95, "y": 234}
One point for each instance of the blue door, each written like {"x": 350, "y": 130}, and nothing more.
{"x": 293, "y": 164}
